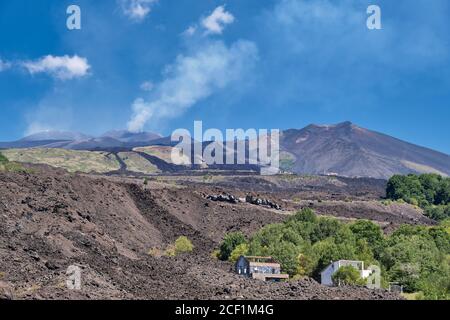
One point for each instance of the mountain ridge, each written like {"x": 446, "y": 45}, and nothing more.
{"x": 343, "y": 149}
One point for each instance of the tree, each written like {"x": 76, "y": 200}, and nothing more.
{"x": 286, "y": 253}
{"x": 347, "y": 275}
{"x": 305, "y": 215}
{"x": 409, "y": 257}
{"x": 240, "y": 250}
{"x": 230, "y": 242}
{"x": 430, "y": 183}
{"x": 306, "y": 265}
{"x": 437, "y": 213}
{"x": 326, "y": 227}
{"x": 370, "y": 232}
{"x": 405, "y": 187}
{"x": 443, "y": 192}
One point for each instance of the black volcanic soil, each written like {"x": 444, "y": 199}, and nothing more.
{"x": 50, "y": 219}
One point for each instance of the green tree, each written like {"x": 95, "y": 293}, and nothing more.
{"x": 305, "y": 215}
{"x": 370, "y": 232}
{"x": 437, "y": 213}
{"x": 286, "y": 253}
{"x": 443, "y": 192}
{"x": 230, "y": 242}
{"x": 240, "y": 250}
{"x": 348, "y": 275}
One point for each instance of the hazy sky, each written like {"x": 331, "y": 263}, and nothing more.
{"x": 158, "y": 65}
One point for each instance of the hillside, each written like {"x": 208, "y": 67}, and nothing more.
{"x": 348, "y": 150}
{"x": 343, "y": 149}
{"x": 52, "y": 220}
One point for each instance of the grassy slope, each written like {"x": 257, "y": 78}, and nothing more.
{"x": 136, "y": 163}
{"x": 72, "y": 161}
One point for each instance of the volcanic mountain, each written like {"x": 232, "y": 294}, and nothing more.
{"x": 346, "y": 149}
{"x": 120, "y": 139}
{"x": 343, "y": 149}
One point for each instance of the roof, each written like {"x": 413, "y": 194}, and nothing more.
{"x": 264, "y": 264}
{"x": 343, "y": 261}
{"x": 259, "y": 258}
{"x": 276, "y": 276}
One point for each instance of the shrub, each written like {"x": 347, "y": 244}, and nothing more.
{"x": 3, "y": 159}
{"x": 145, "y": 181}
{"x": 240, "y": 250}
{"x": 348, "y": 275}
{"x": 170, "y": 251}
{"x": 438, "y": 213}
{"x": 431, "y": 192}
{"x": 215, "y": 254}
{"x": 305, "y": 215}
{"x": 155, "y": 252}
{"x": 13, "y": 167}
{"x": 230, "y": 242}
{"x": 183, "y": 245}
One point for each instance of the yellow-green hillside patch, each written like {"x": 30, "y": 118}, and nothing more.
{"x": 136, "y": 163}
{"x": 72, "y": 161}
{"x": 162, "y": 152}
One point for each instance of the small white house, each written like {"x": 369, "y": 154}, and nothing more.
{"x": 327, "y": 274}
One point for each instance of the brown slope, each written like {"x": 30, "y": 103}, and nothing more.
{"x": 348, "y": 150}
{"x": 50, "y": 220}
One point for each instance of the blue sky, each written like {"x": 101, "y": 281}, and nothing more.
{"x": 159, "y": 65}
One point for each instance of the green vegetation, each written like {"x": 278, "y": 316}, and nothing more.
{"x": 430, "y": 191}
{"x": 181, "y": 245}
{"x": 348, "y": 275}
{"x": 6, "y": 165}
{"x": 415, "y": 256}
{"x": 72, "y": 161}
{"x": 136, "y": 163}
{"x": 230, "y": 242}
{"x": 3, "y": 159}
{"x": 240, "y": 250}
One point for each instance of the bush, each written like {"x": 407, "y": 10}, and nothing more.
{"x": 348, "y": 275}
{"x": 240, "y": 250}
{"x": 438, "y": 213}
{"x": 230, "y": 242}
{"x": 13, "y": 167}
{"x": 305, "y": 215}
{"x": 183, "y": 245}
{"x": 431, "y": 192}
{"x": 3, "y": 159}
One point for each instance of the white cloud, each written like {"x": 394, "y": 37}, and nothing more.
{"x": 137, "y": 10}
{"x": 147, "y": 86}
{"x": 4, "y": 65}
{"x": 63, "y": 68}
{"x": 190, "y": 31}
{"x": 216, "y": 22}
{"x": 210, "y": 68}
